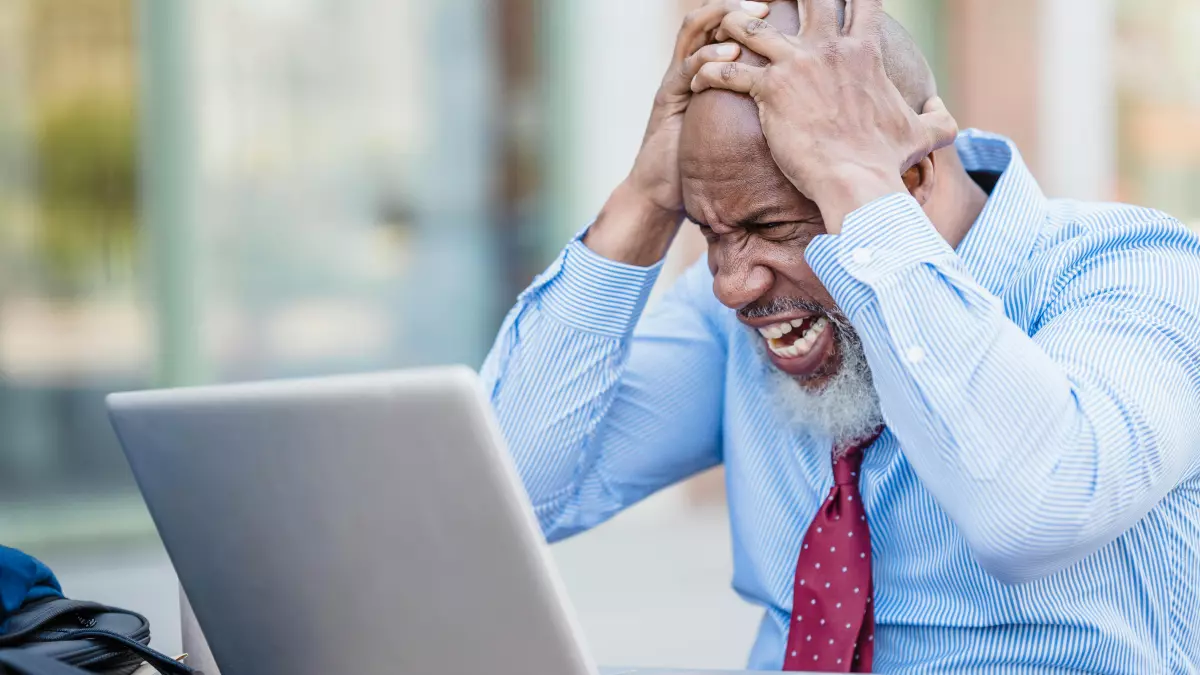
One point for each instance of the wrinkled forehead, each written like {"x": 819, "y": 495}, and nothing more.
{"x": 723, "y": 154}
{"x": 722, "y": 138}
{"x": 727, "y": 171}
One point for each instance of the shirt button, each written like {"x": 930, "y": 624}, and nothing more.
{"x": 862, "y": 256}
{"x": 915, "y": 355}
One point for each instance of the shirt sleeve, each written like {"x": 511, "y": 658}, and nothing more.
{"x": 600, "y": 409}
{"x": 1041, "y": 447}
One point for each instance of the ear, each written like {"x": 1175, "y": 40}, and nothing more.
{"x": 921, "y": 179}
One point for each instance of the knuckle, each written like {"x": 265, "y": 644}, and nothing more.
{"x": 757, "y": 27}
{"x": 729, "y": 72}
{"x": 870, "y": 50}
{"x": 691, "y": 19}
{"x": 833, "y": 52}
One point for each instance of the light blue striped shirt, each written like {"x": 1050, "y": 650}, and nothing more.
{"x": 1035, "y": 502}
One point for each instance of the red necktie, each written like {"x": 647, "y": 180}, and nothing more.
{"x": 833, "y": 623}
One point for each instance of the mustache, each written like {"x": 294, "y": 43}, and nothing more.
{"x": 791, "y": 304}
{"x": 783, "y": 305}
{"x": 780, "y": 306}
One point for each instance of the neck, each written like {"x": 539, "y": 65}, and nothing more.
{"x": 960, "y": 201}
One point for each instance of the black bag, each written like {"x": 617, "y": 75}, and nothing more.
{"x": 70, "y": 637}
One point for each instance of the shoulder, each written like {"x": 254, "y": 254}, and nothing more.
{"x": 1093, "y": 250}
{"x": 1086, "y": 225}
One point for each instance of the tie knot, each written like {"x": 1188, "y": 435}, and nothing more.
{"x": 846, "y": 466}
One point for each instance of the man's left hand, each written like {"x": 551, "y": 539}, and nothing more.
{"x": 837, "y": 127}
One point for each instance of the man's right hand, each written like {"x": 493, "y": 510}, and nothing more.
{"x": 643, "y": 214}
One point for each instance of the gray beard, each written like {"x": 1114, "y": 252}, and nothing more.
{"x": 844, "y": 409}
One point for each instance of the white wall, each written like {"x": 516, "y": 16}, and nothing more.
{"x": 1077, "y": 122}
{"x": 621, "y": 49}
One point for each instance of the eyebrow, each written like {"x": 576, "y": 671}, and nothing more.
{"x": 758, "y": 217}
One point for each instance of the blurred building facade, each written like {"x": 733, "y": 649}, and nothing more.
{"x": 233, "y": 189}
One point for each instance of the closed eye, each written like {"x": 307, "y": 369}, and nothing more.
{"x": 780, "y": 231}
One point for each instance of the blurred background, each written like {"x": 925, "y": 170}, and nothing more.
{"x": 209, "y": 191}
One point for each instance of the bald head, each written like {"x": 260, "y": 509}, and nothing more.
{"x": 903, "y": 62}
{"x": 724, "y": 156}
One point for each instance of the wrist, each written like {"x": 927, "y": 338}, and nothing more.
{"x": 848, "y": 189}
{"x": 632, "y": 228}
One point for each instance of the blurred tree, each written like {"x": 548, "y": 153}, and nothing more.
{"x": 82, "y": 86}
{"x": 87, "y": 193}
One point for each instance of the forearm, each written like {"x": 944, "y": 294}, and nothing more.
{"x": 555, "y": 367}
{"x": 631, "y": 229}
{"x": 592, "y": 411}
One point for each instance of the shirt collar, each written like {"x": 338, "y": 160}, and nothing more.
{"x": 1005, "y": 233}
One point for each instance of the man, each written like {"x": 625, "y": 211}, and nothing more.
{"x": 960, "y": 421}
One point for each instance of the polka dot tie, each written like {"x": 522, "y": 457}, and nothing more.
{"x": 833, "y": 622}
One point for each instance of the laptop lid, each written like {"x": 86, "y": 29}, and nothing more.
{"x": 364, "y": 524}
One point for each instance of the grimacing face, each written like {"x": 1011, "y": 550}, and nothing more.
{"x": 757, "y": 226}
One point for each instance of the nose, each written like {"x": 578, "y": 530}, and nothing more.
{"x": 739, "y": 282}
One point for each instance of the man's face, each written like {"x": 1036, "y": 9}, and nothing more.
{"x": 757, "y": 226}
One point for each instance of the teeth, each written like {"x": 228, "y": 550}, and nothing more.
{"x": 815, "y": 331}
{"x": 786, "y": 352}
{"x": 777, "y": 331}
{"x": 803, "y": 344}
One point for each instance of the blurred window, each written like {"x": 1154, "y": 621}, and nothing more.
{"x": 1158, "y": 76}
{"x": 235, "y": 189}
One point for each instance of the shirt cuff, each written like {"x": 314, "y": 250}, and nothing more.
{"x": 592, "y": 293}
{"x": 883, "y": 238}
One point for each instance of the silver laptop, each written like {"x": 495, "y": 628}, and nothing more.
{"x": 366, "y": 524}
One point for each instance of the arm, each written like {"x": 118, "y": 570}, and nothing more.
{"x": 596, "y": 414}
{"x": 1041, "y": 449}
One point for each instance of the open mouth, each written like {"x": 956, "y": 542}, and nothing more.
{"x": 800, "y": 347}
{"x": 796, "y": 338}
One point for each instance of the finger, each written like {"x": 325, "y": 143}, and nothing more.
{"x": 680, "y": 82}
{"x": 699, "y": 24}
{"x": 940, "y": 126}
{"x": 864, "y": 18}
{"x": 756, "y": 34}
{"x": 731, "y": 76}
{"x": 820, "y": 17}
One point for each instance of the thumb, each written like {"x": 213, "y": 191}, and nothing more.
{"x": 940, "y": 126}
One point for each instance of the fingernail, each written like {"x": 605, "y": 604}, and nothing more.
{"x": 756, "y": 8}
{"x": 727, "y": 51}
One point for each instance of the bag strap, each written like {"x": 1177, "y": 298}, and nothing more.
{"x": 161, "y": 662}
{"x": 32, "y": 618}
